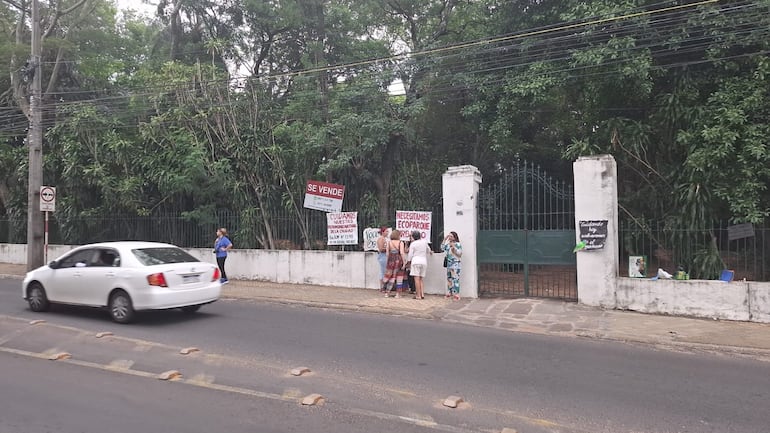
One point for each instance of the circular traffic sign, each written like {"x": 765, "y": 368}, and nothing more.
{"x": 47, "y": 194}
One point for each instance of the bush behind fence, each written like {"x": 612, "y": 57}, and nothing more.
{"x": 701, "y": 253}
{"x": 276, "y": 230}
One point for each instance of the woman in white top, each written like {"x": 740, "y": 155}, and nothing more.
{"x": 418, "y": 256}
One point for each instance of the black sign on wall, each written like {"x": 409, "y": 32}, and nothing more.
{"x": 593, "y": 233}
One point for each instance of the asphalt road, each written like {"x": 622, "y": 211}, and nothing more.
{"x": 405, "y": 367}
{"x": 39, "y": 397}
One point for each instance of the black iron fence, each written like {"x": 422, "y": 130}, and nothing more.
{"x": 702, "y": 254}
{"x": 276, "y": 230}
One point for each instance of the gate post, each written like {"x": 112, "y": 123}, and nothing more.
{"x": 596, "y": 198}
{"x": 460, "y": 188}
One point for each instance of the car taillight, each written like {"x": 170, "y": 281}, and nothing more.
{"x": 157, "y": 280}
{"x": 216, "y": 275}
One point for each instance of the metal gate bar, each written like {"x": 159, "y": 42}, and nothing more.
{"x": 526, "y": 235}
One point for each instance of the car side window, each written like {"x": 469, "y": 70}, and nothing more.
{"x": 107, "y": 257}
{"x": 78, "y": 259}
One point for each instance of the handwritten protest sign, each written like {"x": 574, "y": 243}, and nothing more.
{"x": 342, "y": 228}
{"x": 409, "y": 221}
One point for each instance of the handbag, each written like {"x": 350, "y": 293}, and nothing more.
{"x": 445, "y": 261}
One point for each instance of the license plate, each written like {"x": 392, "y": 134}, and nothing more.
{"x": 187, "y": 279}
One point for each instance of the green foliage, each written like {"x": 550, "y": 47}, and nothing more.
{"x": 233, "y": 105}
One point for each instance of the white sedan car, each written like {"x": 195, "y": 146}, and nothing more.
{"x": 125, "y": 277}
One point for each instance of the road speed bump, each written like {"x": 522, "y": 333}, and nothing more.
{"x": 312, "y": 400}
{"x": 170, "y": 375}
{"x": 452, "y": 401}
{"x": 299, "y": 371}
{"x": 59, "y": 356}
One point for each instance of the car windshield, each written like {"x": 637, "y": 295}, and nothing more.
{"x": 163, "y": 255}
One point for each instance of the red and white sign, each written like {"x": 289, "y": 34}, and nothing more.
{"x": 47, "y": 199}
{"x": 324, "y": 196}
{"x": 409, "y": 221}
{"x": 342, "y": 228}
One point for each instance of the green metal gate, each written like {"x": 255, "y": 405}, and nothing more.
{"x": 526, "y": 236}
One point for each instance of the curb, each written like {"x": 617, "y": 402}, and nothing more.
{"x": 336, "y": 306}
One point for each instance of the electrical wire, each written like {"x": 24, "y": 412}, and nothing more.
{"x": 476, "y": 58}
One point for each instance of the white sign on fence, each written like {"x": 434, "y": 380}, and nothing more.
{"x": 324, "y": 196}
{"x": 409, "y": 221}
{"x": 342, "y": 228}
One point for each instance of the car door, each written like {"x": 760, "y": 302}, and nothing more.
{"x": 66, "y": 284}
{"x": 98, "y": 277}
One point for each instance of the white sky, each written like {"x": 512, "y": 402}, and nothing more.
{"x": 146, "y": 7}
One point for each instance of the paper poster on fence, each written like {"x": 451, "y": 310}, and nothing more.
{"x": 371, "y": 235}
{"x": 409, "y": 221}
{"x": 342, "y": 228}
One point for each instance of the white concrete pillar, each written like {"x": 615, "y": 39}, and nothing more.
{"x": 461, "y": 215}
{"x": 596, "y": 198}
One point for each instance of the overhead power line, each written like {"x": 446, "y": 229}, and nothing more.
{"x": 553, "y": 45}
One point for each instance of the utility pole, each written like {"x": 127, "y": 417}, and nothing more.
{"x": 35, "y": 144}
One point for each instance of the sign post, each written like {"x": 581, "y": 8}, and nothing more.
{"x": 47, "y": 204}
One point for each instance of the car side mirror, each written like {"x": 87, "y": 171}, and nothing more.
{"x": 53, "y": 265}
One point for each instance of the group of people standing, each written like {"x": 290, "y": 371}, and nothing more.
{"x": 398, "y": 260}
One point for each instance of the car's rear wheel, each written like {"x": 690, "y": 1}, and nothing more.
{"x": 121, "y": 307}
{"x": 191, "y": 309}
{"x": 38, "y": 300}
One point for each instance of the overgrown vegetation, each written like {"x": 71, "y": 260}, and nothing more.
{"x": 234, "y": 104}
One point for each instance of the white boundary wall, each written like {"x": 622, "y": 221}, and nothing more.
{"x": 598, "y": 281}
{"x": 357, "y": 269}
{"x": 736, "y": 300}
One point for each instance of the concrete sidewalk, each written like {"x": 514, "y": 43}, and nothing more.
{"x": 539, "y": 316}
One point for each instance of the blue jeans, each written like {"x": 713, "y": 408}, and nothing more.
{"x": 382, "y": 259}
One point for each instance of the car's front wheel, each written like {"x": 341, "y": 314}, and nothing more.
{"x": 38, "y": 300}
{"x": 121, "y": 307}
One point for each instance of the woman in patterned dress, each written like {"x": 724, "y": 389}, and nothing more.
{"x": 454, "y": 251}
{"x": 395, "y": 270}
